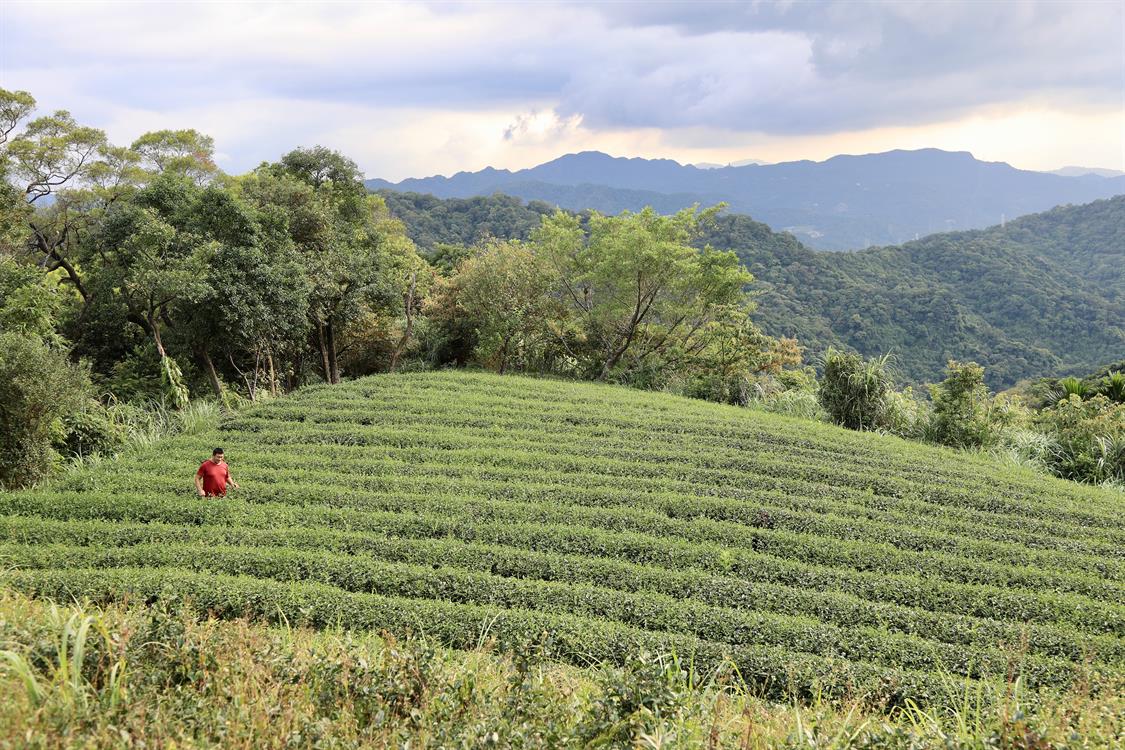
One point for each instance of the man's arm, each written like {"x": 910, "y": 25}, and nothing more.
{"x": 231, "y": 482}
{"x": 199, "y": 484}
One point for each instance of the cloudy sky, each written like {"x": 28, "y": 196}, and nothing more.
{"x": 412, "y": 89}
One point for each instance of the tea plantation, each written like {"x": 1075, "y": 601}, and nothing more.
{"x": 592, "y": 521}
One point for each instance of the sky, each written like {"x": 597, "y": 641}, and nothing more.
{"x": 415, "y": 89}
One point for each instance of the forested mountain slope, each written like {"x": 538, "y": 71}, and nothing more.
{"x": 1044, "y": 294}
{"x": 594, "y": 521}
{"x": 845, "y": 202}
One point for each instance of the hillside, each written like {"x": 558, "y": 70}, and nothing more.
{"x": 595, "y": 520}
{"x": 842, "y": 203}
{"x": 1042, "y": 295}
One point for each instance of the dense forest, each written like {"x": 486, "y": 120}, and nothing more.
{"x": 1042, "y": 295}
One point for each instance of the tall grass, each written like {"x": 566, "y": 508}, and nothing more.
{"x": 79, "y": 676}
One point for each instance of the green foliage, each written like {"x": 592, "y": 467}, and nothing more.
{"x": 502, "y": 293}
{"x": 1112, "y": 386}
{"x": 30, "y": 303}
{"x": 961, "y": 408}
{"x": 854, "y": 391}
{"x": 638, "y": 293}
{"x": 39, "y": 386}
{"x": 1090, "y": 438}
{"x": 636, "y": 700}
{"x": 51, "y": 151}
{"x": 472, "y": 507}
{"x": 1041, "y": 294}
{"x": 184, "y": 152}
{"x": 906, "y": 415}
{"x": 1070, "y": 386}
{"x": 172, "y": 378}
{"x": 436, "y": 225}
{"x": 164, "y": 675}
{"x": 90, "y": 431}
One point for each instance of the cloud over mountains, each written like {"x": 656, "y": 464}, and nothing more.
{"x": 519, "y": 72}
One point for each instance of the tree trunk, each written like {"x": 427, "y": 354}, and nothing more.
{"x": 322, "y": 344}
{"x": 408, "y": 329}
{"x": 273, "y": 372}
{"x": 154, "y": 328}
{"x": 333, "y": 365}
{"x": 216, "y": 384}
{"x": 51, "y": 253}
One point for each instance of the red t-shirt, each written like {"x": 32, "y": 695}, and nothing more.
{"x": 215, "y": 476}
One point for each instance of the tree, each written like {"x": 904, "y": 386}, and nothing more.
{"x": 854, "y": 391}
{"x": 51, "y": 152}
{"x": 38, "y": 387}
{"x": 151, "y": 262}
{"x": 961, "y": 401}
{"x": 186, "y": 152}
{"x": 503, "y": 293}
{"x": 635, "y": 286}
{"x": 348, "y": 243}
{"x": 319, "y": 166}
{"x": 252, "y": 311}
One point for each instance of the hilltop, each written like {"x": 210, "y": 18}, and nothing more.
{"x": 595, "y": 520}
{"x": 841, "y": 203}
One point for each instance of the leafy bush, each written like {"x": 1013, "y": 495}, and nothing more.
{"x": 961, "y": 408}
{"x": 1113, "y": 387}
{"x": 636, "y": 700}
{"x": 906, "y": 415}
{"x": 39, "y": 386}
{"x": 1070, "y": 386}
{"x": 90, "y": 431}
{"x": 854, "y": 391}
{"x": 1090, "y": 435}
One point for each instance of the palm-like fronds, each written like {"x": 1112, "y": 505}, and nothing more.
{"x": 1113, "y": 387}
{"x": 1070, "y": 386}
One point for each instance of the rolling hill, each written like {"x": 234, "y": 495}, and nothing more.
{"x": 595, "y": 520}
{"x": 842, "y": 203}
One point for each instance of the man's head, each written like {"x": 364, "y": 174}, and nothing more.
{"x": 217, "y": 455}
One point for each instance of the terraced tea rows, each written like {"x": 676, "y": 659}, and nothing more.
{"x": 596, "y": 520}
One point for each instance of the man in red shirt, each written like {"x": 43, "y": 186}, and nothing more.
{"x": 213, "y": 476}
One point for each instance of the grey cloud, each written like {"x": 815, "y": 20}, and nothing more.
{"x": 756, "y": 67}
{"x": 871, "y": 63}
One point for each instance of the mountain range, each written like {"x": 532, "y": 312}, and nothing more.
{"x": 845, "y": 202}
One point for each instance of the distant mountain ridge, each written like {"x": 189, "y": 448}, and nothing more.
{"x": 1081, "y": 171}
{"x": 845, "y": 202}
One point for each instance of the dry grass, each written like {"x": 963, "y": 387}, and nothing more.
{"x": 135, "y": 677}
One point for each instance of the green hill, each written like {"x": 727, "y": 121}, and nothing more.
{"x": 1042, "y": 295}
{"x": 595, "y": 520}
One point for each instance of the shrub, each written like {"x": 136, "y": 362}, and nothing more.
{"x": 1091, "y": 438}
{"x": 1113, "y": 387}
{"x": 961, "y": 408}
{"x": 906, "y": 415}
{"x": 90, "y": 431}
{"x": 39, "y": 386}
{"x": 854, "y": 391}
